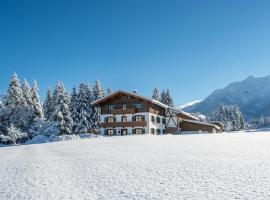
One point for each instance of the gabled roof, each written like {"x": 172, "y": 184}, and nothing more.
{"x": 141, "y": 97}
{"x": 130, "y": 94}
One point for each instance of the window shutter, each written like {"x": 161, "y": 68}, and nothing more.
{"x": 114, "y": 131}
{"x": 114, "y": 119}
{"x": 143, "y": 131}
{"x": 106, "y": 132}
{"x": 133, "y": 131}
{"x": 133, "y": 118}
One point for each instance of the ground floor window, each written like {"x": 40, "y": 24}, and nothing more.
{"x": 110, "y": 131}
{"x": 138, "y": 131}
{"x": 163, "y": 131}
{"x": 158, "y": 131}
{"x": 152, "y": 131}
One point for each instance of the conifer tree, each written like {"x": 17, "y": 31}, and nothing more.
{"x": 74, "y": 109}
{"x": 61, "y": 116}
{"x": 109, "y": 91}
{"x": 156, "y": 94}
{"x": 97, "y": 94}
{"x": 48, "y": 106}
{"x": 15, "y": 105}
{"x": 36, "y": 101}
{"x": 26, "y": 91}
{"x": 84, "y": 109}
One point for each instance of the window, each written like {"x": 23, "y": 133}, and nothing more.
{"x": 124, "y": 119}
{"x": 139, "y": 131}
{"x": 152, "y": 131}
{"x": 163, "y": 131}
{"x": 110, "y": 131}
{"x": 152, "y": 118}
{"x": 110, "y": 119}
{"x": 158, "y": 119}
{"x": 139, "y": 118}
{"x": 124, "y": 106}
{"x": 137, "y": 105}
{"x": 111, "y": 107}
{"x": 158, "y": 131}
{"x": 163, "y": 121}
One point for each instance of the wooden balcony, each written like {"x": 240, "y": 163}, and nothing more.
{"x": 123, "y": 124}
{"x": 123, "y": 111}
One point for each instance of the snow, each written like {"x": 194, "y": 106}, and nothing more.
{"x": 201, "y": 166}
{"x": 188, "y": 104}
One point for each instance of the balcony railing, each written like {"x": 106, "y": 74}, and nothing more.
{"x": 123, "y": 124}
{"x": 123, "y": 111}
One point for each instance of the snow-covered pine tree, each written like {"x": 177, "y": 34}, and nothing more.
{"x": 169, "y": 98}
{"x": 109, "y": 91}
{"x": 61, "y": 116}
{"x": 84, "y": 109}
{"x": 26, "y": 91}
{"x": 96, "y": 94}
{"x": 230, "y": 116}
{"x": 36, "y": 101}
{"x": 166, "y": 98}
{"x": 15, "y": 105}
{"x": 163, "y": 97}
{"x": 48, "y": 105}
{"x": 156, "y": 94}
{"x": 14, "y": 134}
{"x": 74, "y": 109}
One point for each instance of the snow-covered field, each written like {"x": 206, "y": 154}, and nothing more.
{"x": 217, "y": 166}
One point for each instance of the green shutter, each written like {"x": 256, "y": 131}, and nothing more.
{"x": 143, "y": 131}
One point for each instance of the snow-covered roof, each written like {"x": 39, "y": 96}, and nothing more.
{"x": 145, "y": 98}
{"x": 202, "y": 123}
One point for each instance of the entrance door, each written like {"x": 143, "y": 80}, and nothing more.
{"x": 123, "y": 131}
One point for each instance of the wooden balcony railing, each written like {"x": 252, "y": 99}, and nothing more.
{"x": 123, "y": 124}
{"x": 123, "y": 111}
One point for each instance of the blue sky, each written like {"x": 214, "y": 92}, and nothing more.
{"x": 190, "y": 47}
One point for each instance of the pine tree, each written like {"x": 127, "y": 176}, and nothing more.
{"x": 36, "y": 101}
{"x": 48, "y": 106}
{"x": 166, "y": 98}
{"x": 14, "y": 134}
{"x": 26, "y": 91}
{"x": 230, "y": 116}
{"x": 74, "y": 109}
{"x": 156, "y": 94}
{"x": 97, "y": 94}
{"x": 163, "y": 97}
{"x": 16, "y": 110}
{"x": 61, "y": 116}
{"x": 109, "y": 91}
{"x": 84, "y": 109}
{"x": 169, "y": 98}
{"x": 14, "y": 97}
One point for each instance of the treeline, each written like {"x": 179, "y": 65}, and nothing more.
{"x": 22, "y": 116}
{"x": 230, "y": 116}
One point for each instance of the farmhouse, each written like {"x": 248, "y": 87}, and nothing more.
{"x": 125, "y": 113}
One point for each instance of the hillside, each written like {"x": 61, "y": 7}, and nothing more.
{"x": 252, "y": 95}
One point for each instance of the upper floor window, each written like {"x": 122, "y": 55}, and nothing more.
{"x": 139, "y": 118}
{"x": 111, "y": 107}
{"x": 124, "y": 106}
{"x": 163, "y": 121}
{"x": 110, "y": 119}
{"x": 158, "y": 119}
{"x": 152, "y": 118}
{"x": 138, "y": 105}
{"x": 124, "y": 119}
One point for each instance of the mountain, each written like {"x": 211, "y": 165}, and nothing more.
{"x": 252, "y": 95}
{"x": 189, "y": 104}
